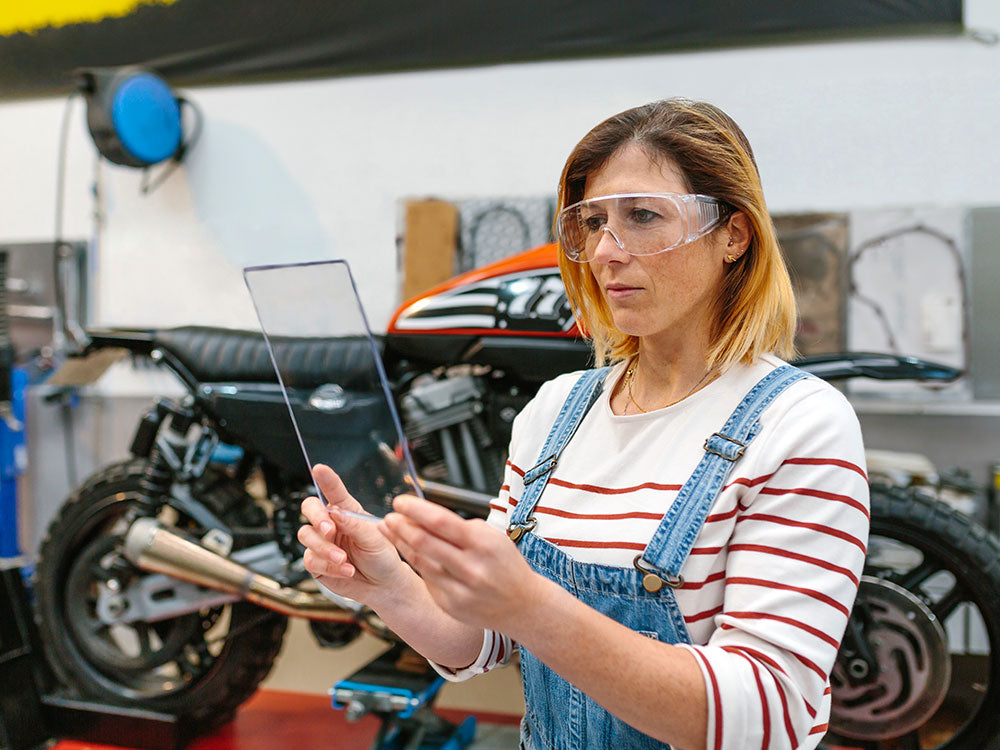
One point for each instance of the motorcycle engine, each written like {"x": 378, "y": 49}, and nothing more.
{"x": 447, "y": 424}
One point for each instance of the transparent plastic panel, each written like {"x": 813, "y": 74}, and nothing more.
{"x": 332, "y": 380}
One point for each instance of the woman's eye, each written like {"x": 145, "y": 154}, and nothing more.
{"x": 594, "y": 222}
{"x": 642, "y": 215}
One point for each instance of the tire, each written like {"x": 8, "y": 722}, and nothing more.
{"x": 200, "y": 666}
{"x": 932, "y": 560}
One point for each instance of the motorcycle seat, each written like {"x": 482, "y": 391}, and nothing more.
{"x": 222, "y": 355}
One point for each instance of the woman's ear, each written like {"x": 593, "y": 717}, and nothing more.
{"x": 738, "y": 236}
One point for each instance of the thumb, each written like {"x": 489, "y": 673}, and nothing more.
{"x": 332, "y": 489}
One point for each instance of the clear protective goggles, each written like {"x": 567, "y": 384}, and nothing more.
{"x": 639, "y": 223}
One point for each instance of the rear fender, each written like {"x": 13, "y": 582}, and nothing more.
{"x": 878, "y": 366}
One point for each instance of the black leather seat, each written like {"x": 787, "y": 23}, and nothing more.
{"x": 221, "y": 355}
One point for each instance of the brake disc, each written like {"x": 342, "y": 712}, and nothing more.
{"x": 914, "y": 668}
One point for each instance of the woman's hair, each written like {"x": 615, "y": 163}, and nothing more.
{"x": 755, "y": 311}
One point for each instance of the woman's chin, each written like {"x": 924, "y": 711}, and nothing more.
{"x": 634, "y": 325}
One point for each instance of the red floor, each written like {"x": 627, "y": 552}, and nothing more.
{"x": 273, "y": 719}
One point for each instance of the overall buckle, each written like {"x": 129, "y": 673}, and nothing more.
{"x": 540, "y": 469}
{"x": 515, "y": 531}
{"x": 653, "y": 581}
{"x": 724, "y": 446}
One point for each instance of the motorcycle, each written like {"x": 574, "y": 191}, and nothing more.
{"x": 165, "y": 581}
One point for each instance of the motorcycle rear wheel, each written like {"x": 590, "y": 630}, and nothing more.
{"x": 949, "y": 567}
{"x": 201, "y": 665}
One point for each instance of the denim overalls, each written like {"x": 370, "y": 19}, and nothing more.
{"x": 559, "y": 715}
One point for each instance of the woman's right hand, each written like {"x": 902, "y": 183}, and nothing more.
{"x": 348, "y": 555}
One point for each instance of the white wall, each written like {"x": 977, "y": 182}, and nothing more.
{"x": 316, "y": 169}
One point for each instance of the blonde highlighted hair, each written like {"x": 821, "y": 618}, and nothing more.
{"x": 755, "y": 310}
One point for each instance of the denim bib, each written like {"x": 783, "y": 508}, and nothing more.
{"x": 559, "y": 715}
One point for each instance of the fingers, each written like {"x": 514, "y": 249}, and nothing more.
{"x": 437, "y": 520}
{"x": 363, "y": 534}
{"x": 434, "y": 539}
{"x": 320, "y": 544}
{"x": 322, "y": 523}
{"x": 333, "y": 489}
{"x": 428, "y": 554}
{"x": 330, "y": 535}
{"x": 317, "y": 514}
{"x": 320, "y": 567}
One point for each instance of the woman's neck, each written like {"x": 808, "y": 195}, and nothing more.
{"x": 663, "y": 373}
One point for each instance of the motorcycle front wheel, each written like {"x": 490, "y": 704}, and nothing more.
{"x": 200, "y": 665}
{"x": 927, "y": 619}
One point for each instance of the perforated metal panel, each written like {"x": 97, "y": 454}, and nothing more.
{"x": 495, "y": 228}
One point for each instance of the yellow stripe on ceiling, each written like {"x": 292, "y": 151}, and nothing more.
{"x": 32, "y": 15}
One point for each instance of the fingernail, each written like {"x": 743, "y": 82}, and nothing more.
{"x": 325, "y": 527}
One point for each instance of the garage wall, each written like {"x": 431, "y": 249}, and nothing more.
{"x": 316, "y": 169}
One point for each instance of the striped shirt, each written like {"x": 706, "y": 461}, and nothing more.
{"x": 769, "y": 584}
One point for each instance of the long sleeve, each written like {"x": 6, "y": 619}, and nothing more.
{"x": 791, "y": 575}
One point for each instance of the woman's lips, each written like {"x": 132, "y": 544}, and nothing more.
{"x": 621, "y": 291}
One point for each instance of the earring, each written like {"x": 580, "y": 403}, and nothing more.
{"x": 730, "y": 243}
{"x": 730, "y": 258}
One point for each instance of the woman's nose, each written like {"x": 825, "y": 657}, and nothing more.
{"x": 609, "y": 247}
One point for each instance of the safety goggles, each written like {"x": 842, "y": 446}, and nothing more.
{"x": 639, "y": 223}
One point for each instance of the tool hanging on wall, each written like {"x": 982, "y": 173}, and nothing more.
{"x": 135, "y": 119}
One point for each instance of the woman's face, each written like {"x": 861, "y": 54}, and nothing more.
{"x": 670, "y": 295}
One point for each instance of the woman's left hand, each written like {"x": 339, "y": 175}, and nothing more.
{"x": 473, "y": 571}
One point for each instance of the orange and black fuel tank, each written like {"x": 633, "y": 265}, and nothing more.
{"x": 512, "y": 315}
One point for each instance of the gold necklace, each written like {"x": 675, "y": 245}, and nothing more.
{"x": 630, "y": 375}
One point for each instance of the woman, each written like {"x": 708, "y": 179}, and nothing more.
{"x": 679, "y": 538}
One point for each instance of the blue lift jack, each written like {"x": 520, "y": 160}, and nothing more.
{"x": 400, "y": 687}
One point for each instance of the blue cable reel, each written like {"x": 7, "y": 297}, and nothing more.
{"x": 133, "y": 116}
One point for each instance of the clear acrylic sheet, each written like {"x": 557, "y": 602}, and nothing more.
{"x": 332, "y": 379}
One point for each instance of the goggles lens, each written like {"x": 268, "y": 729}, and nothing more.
{"x": 639, "y": 223}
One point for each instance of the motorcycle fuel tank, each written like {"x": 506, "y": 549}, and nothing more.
{"x": 513, "y": 315}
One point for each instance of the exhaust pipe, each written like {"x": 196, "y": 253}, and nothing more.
{"x": 155, "y": 548}
{"x": 457, "y": 498}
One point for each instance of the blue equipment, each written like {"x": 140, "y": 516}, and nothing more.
{"x": 400, "y": 688}
{"x": 12, "y": 456}
{"x": 133, "y": 116}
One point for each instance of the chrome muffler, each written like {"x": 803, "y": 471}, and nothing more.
{"x": 155, "y": 548}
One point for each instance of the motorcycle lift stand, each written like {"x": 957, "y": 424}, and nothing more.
{"x": 31, "y": 718}
{"x": 400, "y": 688}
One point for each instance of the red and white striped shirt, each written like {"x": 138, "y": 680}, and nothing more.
{"x": 773, "y": 574}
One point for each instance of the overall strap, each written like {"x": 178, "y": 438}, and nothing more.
{"x": 581, "y": 397}
{"x": 675, "y": 536}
